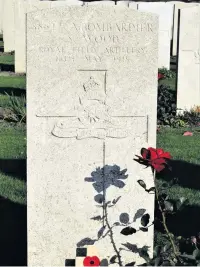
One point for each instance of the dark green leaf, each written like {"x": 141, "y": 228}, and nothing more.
{"x": 157, "y": 261}
{"x": 128, "y": 231}
{"x": 166, "y": 247}
{"x": 181, "y": 202}
{"x": 168, "y": 206}
{"x": 157, "y": 251}
{"x": 196, "y": 254}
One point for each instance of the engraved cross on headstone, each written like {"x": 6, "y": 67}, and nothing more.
{"x": 93, "y": 119}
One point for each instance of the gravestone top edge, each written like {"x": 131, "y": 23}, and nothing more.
{"x": 95, "y": 8}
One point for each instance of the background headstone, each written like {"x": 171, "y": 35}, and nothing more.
{"x": 1, "y": 15}
{"x": 22, "y": 7}
{"x": 188, "y": 82}
{"x": 178, "y": 6}
{"x": 102, "y": 3}
{"x": 8, "y": 26}
{"x": 88, "y": 71}
{"x": 165, "y": 12}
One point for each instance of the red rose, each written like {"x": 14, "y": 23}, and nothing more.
{"x": 91, "y": 261}
{"x": 156, "y": 158}
{"x": 160, "y": 76}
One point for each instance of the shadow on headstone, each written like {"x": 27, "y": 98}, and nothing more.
{"x": 13, "y": 233}
{"x": 15, "y": 167}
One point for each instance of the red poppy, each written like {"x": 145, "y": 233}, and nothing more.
{"x": 156, "y": 158}
{"x": 91, "y": 261}
{"x": 160, "y": 76}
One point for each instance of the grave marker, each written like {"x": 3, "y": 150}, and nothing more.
{"x": 188, "y": 83}
{"x": 165, "y": 12}
{"x": 92, "y": 94}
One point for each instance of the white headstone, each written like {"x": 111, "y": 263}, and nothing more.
{"x": 88, "y": 107}
{"x": 103, "y": 3}
{"x": 133, "y": 5}
{"x": 165, "y": 12}
{"x": 123, "y": 3}
{"x": 177, "y": 7}
{"x": 22, "y": 7}
{"x": 1, "y": 15}
{"x": 188, "y": 85}
{"x": 8, "y": 26}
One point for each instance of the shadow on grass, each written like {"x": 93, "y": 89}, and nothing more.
{"x": 187, "y": 174}
{"x": 11, "y": 90}
{"x": 13, "y": 233}
{"x": 7, "y": 67}
{"x": 185, "y": 222}
{"x": 14, "y": 167}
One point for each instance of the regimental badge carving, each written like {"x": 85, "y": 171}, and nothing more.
{"x": 93, "y": 119}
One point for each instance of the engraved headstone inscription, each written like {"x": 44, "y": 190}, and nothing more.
{"x": 92, "y": 96}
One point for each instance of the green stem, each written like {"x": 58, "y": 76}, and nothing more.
{"x": 164, "y": 218}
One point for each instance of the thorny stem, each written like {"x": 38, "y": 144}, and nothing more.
{"x": 164, "y": 218}
{"x": 112, "y": 237}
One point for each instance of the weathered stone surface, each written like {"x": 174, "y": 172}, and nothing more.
{"x": 123, "y": 3}
{"x": 102, "y": 3}
{"x": 92, "y": 94}
{"x": 165, "y": 12}
{"x": 177, "y": 7}
{"x": 188, "y": 86}
{"x": 133, "y": 5}
{"x": 22, "y": 7}
{"x": 8, "y": 26}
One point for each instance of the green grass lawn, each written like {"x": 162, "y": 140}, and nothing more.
{"x": 7, "y": 59}
{"x": 11, "y": 85}
{"x": 13, "y": 81}
{"x": 185, "y": 153}
{"x": 12, "y": 155}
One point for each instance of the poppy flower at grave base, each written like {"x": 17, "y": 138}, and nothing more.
{"x": 91, "y": 261}
{"x": 155, "y": 158}
{"x": 160, "y": 76}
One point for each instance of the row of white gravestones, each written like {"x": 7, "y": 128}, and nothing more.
{"x": 23, "y": 6}
{"x": 91, "y": 94}
{"x": 188, "y": 82}
{"x": 14, "y": 24}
